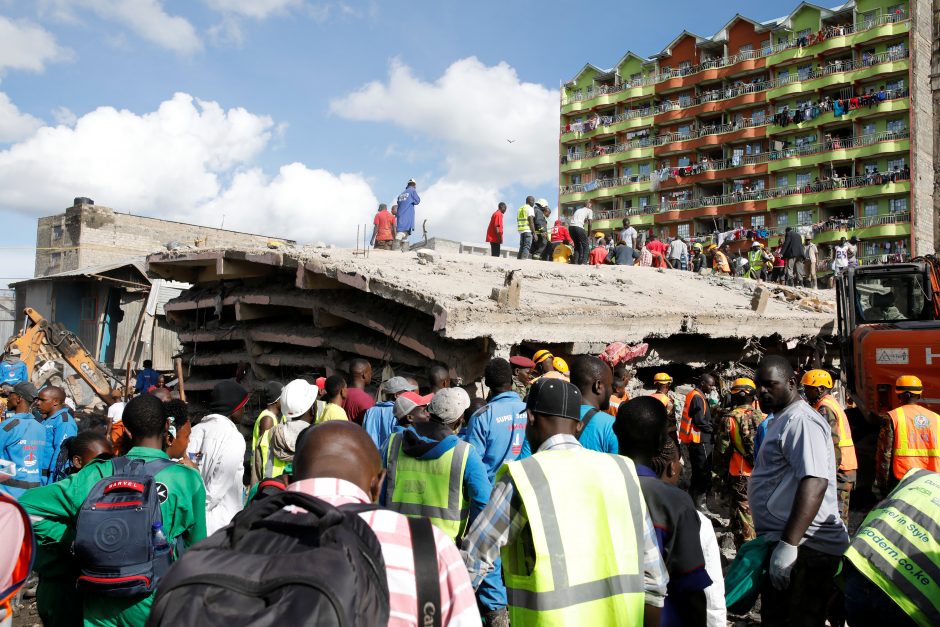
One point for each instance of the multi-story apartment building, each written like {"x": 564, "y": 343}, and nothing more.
{"x": 812, "y": 120}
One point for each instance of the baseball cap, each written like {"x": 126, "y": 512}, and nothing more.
{"x": 412, "y": 181}
{"x": 271, "y": 392}
{"x": 408, "y": 401}
{"x": 321, "y": 383}
{"x": 27, "y": 390}
{"x": 14, "y": 351}
{"x": 297, "y": 397}
{"x": 521, "y": 362}
{"x": 555, "y": 397}
{"x": 449, "y": 404}
{"x": 399, "y": 384}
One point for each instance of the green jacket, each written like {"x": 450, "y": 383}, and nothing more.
{"x": 54, "y": 509}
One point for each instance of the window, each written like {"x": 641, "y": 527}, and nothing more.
{"x": 867, "y": 19}
{"x": 757, "y": 221}
{"x": 899, "y": 11}
{"x": 868, "y": 128}
{"x": 897, "y": 205}
{"x": 871, "y": 168}
{"x": 897, "y": 126}
{"x": 783, "y": 75}
{"x": 683, "y": 230}
{"x": 804, "y": 71}
{"x": 57, "y": 232}
{"x": 88, "y": 309}
{"x": 897, "y": 85}
{"x": 745, "y": 50}
{"x": 871, "y": 209}
{"x": 896, "y": 164}
{"x": 804, "y": 217}
{"x": 783, "y": 219}
{"x": 574, "y": 179}
{"x": 783, "y": 180}
{"x": 738, "y": 223}
{"x": 644, "y": 169}
{"x": 682, "y": 162}
{"x": 684, "y": 129}
{"x": 636, "y": 78}
{"x": 54, "y": 260}
{"x": 803, "y": 179}
{"x": 759, "y": 116}
{"x": 803, "y": 33}
{"x": 627, "y": 203}
{"x": 757, "y": 185}
{"x": 644, "y": 201}
{"x": 627, "y": 170}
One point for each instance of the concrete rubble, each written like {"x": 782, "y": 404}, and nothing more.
{"x": 265, "y": 314}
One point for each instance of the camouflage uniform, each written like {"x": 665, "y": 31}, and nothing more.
{"x": 747, "y": 419}
{"x": 845, "y": 480}
{"x": 520, "y": 388}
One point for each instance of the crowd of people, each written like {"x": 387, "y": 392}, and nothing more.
{"x": 556, "y": 498}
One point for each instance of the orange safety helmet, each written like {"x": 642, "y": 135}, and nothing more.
{"x": 743, "y": 384}
{"x": 541, "y": 356}
{"x": 817, "y": 379}
{"x": 662, "y": 377}
{"x": 909, "y": 383}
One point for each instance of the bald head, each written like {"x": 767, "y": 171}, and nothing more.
{"x": 360, "y": 372}
{"x": 340, "y": 450}
{"x": 438, "y": 377}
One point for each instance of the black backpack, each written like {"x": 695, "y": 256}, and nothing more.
{"x": 274, "y": 567}
{"x": 113, "y": 544}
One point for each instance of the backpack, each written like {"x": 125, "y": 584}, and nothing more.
{"x": 114, "y": 532}
{"x": 322, "y": 566}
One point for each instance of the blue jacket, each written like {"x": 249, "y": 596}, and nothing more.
{"x": 13, "y": 372}
{"x": 599, "y": 434}
{"x": 23, "y": 442}
{"x": 430, "y": 440}
{"x": 497, "y": 431}
{"x": 405, "y": 218}
{"x": 59, "y": 426}
{"x": 379, "y": 422}
{"x": 146, "y": 378}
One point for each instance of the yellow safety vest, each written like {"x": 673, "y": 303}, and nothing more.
{"x": 522, "y": 219}
{"x": 273, "y": 467}
{"x": 898, "y": 547}
{"x": 254, "y": 432}
{"x": 429, "y": 488}
{"x": 586, "y": 514}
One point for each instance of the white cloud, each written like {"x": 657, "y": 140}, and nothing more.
{"x": 257, "y": 9}
{"x": 64, "y": 116}
{"x": 147, "y": 18}
{"x": 457, "y": 210}
{"x": 190, "y": 160}
{"x": 27, "y": 46}
{"x": 18, "y": 264}
{"x": 14, "y": 124}
{"x": 475, "y": 110}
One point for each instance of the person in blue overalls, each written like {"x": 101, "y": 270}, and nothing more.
{"x": 22, "y": 442}
{"x": 59, "y": 425}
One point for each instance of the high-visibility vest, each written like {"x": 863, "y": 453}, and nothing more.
{"x": 915, "y": 439}
{"x": 720, "y": 262}
{"x": 688, "y": 432}
{"x": 738, "y": 466}
{"x": 586, "y": 515}
{"x": 267, "y": 413}
{"x": 849, "y": 461}
{"x": 522, "y": 218}
{"x": 663, "y": 398}
{"x": 429, "y": 488}
{"x": 272, "y": 465}
{"x": 25, "y": 554}
{"x": 898, "y": 547}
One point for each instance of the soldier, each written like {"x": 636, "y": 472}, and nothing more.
{"x": 736, "y": 432}
{"x": 521, "y": 374}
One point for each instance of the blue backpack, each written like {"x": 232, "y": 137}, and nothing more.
{"x": 114, "y": 534}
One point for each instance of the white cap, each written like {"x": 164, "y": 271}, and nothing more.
{"x": 297, "y": 397}
{"x": 410, "y": 181}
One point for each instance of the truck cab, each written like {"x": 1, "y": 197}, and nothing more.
{"x": 888, "y": 326}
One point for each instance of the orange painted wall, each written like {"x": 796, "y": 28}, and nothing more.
{"x": 684, "y": 50}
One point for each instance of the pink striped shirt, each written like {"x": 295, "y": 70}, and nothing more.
{"x": 458, "y": 604}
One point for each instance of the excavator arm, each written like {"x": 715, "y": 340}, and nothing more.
{"x": 40, "y": 335}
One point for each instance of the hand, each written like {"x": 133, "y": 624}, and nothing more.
{"x": 185, "y": 461}
{"x": 781, "y": 563}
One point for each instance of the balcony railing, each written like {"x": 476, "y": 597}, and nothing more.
{"x": 600, "y": 151}
{"x": 839, "y": 143}
{"x": 709, "y": 64}
{"x": 605, "y": 183}
{"x": 850, "y": 224}
{"x": 619, "y": 214}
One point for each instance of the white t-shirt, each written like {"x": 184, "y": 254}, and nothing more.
{"x": 676, "y": 248}
{"x": 581, "y": 216}
{"x": 116, "y": 412}
{"x": 628, "y": 235}
{"x": 716, "y": 613}
{"x": 841, "y": 256}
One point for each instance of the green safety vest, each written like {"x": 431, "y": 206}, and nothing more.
{"x": 273, "y": 467}
{"x": 586, "y": 514}
{"x": 257, "y": 427}
{"x": 429, "y": 488}
{"x": 522, "y": 219}
{"x": 898, "y": 546}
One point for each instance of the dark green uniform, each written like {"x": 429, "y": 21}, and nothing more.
{"x": 54, "y": 509}
{"x": 747, "y": 419}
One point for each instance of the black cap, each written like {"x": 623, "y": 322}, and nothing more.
{"x": 228, "y": 397}
{"x": 27, "y": 390}
{"x": 555, "y": 397}
{"x": 271, "y": 392}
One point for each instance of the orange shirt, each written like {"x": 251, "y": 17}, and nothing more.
{"x": 598, "y": 255}
{"x": 385, "y": 226}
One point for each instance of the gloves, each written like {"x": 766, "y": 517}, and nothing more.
{"x": 781, "y": 563}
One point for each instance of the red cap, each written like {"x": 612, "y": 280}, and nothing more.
{"x": 417, "y": 399}
{"x": 321, "y": 383}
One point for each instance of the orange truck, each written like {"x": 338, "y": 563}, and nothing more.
{"x": 889, "y": 325}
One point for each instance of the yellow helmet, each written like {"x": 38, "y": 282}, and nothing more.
{"x": 662, "y": 377}
{"x": 817, "y": 379}
{"x": 541, "y": 356}
{"x": 909, "y": 383}
{"x": 743, "y": 384}
{"x": 560, "y": 365}
{"x": 696, "y": 246}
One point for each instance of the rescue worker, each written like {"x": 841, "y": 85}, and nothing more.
{"x": 266, "y": 420}
{"x": 695, "y": 431}
{"x": 525, "y": 223}
{"x": 433, "y": 473}
{"x": 757, "y": 259}
{"x": 662, "y": 382}
{"x": 275, "y": 450}
{"x": 545, "y": 365}
{"x": 737, "y": 429}
{"x": 12, "y": 368}
{"x": 720, "y": 260}
{"x": 817, "y": 385}
{"x": 699, "y": 260}
{"x": 54, "y": 509}
{"x": 561, "y": 367}
{"x": 893, "y": 563}
{"x": 379, "y": 420}
{"x": 540, "y": 222}
{"x": 22, "y": 442}
{"x": 521, "y": 374}
{"x": 908, "y": 438}
{"x": 618, "y": 392}
{"x": 564, "y": 491}
{"x": 59, "y": 425}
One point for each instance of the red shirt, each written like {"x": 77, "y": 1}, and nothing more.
{"x": 560, "y": 233}
{"x": 356, "y": 404}
{"x": 496, "y": 221}
{"x": 656, "y": 247}
{"x": 598, "y": 255}
{"x": 385, "y": 223}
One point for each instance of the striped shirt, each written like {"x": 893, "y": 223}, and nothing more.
{"x": 504, "y": 519}
{"x": 458, "y": 604}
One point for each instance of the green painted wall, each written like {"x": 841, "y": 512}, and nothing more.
{"x": 807, "y": 17}
{"x": 883, "y": 204}
{"x": 864, "y": 6}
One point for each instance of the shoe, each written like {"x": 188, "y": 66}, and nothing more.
{"x": 702, "y": 506}
{"x": 496, "y": 618}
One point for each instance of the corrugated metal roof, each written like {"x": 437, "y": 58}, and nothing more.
{"x": 168, "y": 290}
{"x": 136, "y": 262}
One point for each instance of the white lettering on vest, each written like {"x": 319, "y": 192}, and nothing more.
{"x": 929, "y": 355}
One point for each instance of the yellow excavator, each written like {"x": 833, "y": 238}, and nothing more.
{"x": 41, "y": 340}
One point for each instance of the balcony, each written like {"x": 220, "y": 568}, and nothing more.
{"x": 834, "y": 37}
{"x": 834, "y": 73}
{"x": 869, "y": 227}
{"x": 709, "y": 135}
{"x": 603, "y": 155}
{"x": 849, "y": 188}
{"x": 712, "y": 170}
{"x": 613, "y": 219}
{"x": 895, "y": 100}
{"x": 840, "y": 149}
{"x": 609, "y": 124}
{"x": 603, "y": 188}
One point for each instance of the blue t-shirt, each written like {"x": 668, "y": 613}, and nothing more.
{"x": 598, "y": 435}
{"x": 13, "y": 372}
{"x": 146, "y": 378}
{"x": 497, "y": 431}
{"x": 379, "y": 422}
{"x": 23, "y": 442}
{"x": 59, "y": 426}
{"x": 405, "y": 218}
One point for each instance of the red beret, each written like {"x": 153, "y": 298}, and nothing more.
{"x": 521, "y": 362}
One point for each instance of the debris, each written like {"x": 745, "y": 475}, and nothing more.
{"x": 760, "y": 299}
{"x": 620, "y": 353}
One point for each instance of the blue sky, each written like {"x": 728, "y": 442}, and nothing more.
{"x": 295, "y": 117}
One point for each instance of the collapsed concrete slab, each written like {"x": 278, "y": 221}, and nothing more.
{"x": 262, "y": 314}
